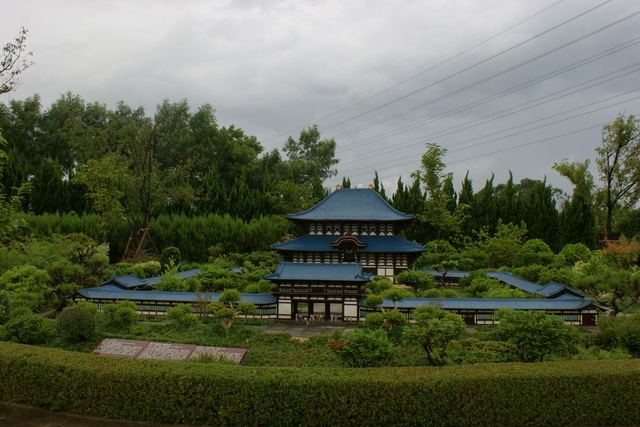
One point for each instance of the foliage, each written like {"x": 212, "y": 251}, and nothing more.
{"x": 622, "y": 254}
{"x": 121, "y": 314}
{"x": 440, "y": 210}
{"x": 585, "y": 393}
{"x": 431, "y": 293}
{"x": 615, "y": 289}
{"x": 13, "y": 62}
{"x": 310, "y": 156}
{"x": 533, "y": 335}
{"x": 169, "y": 255}
{"x": 435, "y": 330}
{"x": 504, "y": 292}
{"x": 171, "y": 282}
{"x": 480, "y": 286}
{"x": 619, "y": 168}
{"x": 574, "y": 252}
{"x": 26, "y": 328}
{"x": 5, "y": 303}
{"x": 577, "y": 219}
{"x": 378, "y": 285}
{"x": 10, "y": 200}
{"x": 76, "y": 324}
{"x": 473, "y": 350}
{"x": 366, "y": 348}
{"x": 105, "y": 179}
{"x": 228, "y": 314}
{"x": 397, "y": 294}
{"x": 536, "y": 251}
{"x": 89, "y": 306}
{"x": 416, "y": 279}
{"x": 182, "y": 316}
{"x": 620, "y": 332}
{"x": 504, "y": 247}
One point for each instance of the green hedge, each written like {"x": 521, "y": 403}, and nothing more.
{"x": 553, "y": 393}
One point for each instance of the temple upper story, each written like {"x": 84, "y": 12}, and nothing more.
{"x": 352, "y": 211}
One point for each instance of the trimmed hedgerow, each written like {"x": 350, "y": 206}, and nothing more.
{"x": 552, "y": 393}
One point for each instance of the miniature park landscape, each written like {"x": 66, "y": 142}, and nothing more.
{"x": 142, "y": 292}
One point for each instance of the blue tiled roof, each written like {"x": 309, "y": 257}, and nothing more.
{"x": 549, "y": 291}
{"x": 113, "y": 292}
{"x": 129, "y": 281}
{"x": 490, "y": 303}
{"x": 516, "y": 282}
{"x": 132, "y": 281}
{"x": 373, "y": 244}
{"x": 358, "y": 204}
{"x": 553, "y": 290}
{"x": 348, "y": 272}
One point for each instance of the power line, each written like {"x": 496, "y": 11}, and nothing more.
{"x": 473, "y": 46}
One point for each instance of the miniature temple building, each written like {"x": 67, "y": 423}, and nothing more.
{"x": 353, "y": 225}
{"x": 351, "y": 236}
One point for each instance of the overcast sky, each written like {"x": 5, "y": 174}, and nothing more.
{"x": 501, "y": 84}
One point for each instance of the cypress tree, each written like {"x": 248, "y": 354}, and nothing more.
{"x": 541, "y": 215}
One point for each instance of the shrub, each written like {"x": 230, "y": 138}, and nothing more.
{"x": 534, "y": 335}
{"x": 480, "y": 285}
{"x": 76, "y": 324}
{"x": 564, "y": 393}
{"x": 416, "y": 279}
{"x": 170, "y": 256}
{"x": 367, "y": 348}
{"x": 182, "y": 316}
{"x": 449, "y": 293}
{"x": 373, "y": 320}
{"x": 432, "y": 293}
{"x": 472, "y": 350}
{"x": 620, "y": 332}
{"x": 121, "y": 314}
{"x": 88, "y": 306}
{"x": 26, "y": 328}
{"x": 4, "y": 305}
{"x": 171, "y": 283}
{"x": 574, "y": 252}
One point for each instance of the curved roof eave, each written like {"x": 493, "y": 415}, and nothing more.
{"x": 352, "y": 204}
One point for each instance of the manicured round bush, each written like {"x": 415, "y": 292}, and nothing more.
{"x": 76, "y": 324}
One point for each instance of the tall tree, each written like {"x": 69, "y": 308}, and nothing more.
{"x": 13, "y": 61}
{"x": 577, "y": 219}
{"x": 541, "y": 214}
{"x": 619, "y": 167}
{"x": 437, "y": 211}
{"x": 310, "y": 156}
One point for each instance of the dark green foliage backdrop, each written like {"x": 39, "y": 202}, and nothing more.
{"x": 193, "y": 236}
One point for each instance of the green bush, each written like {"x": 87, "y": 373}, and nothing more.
{"x": 76, "y": 324}
{"x": 87, "y": 305}
{"x": 533, "y": 335}
{"x": 565, "y": 393}
{"x": 121, "y": 314}
{"x": 620, "y": 332}
{"x": 432, "y": 293}
{"x": 182, "y": 316}
{"x": 366, "y": 348}
{"x": 26, "y": 328}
